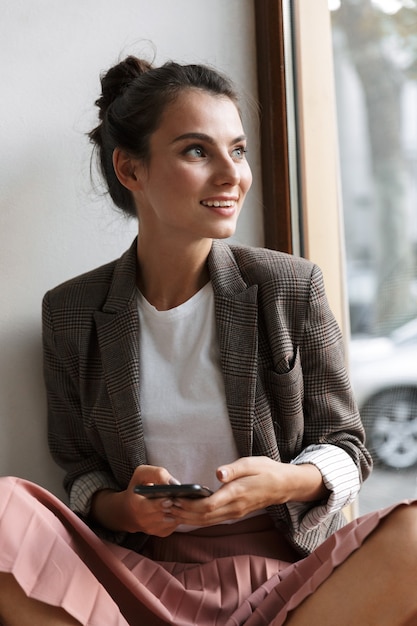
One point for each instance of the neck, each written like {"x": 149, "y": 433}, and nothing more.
{"x": 170, "y": 277}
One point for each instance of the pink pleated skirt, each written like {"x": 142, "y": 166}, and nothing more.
{"x": 223, "y": 576}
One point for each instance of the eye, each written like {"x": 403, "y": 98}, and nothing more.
{"x": 196, "y": 152}
{"x": 239, "y": 152}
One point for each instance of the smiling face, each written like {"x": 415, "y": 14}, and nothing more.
{"x": 196, "y": 179}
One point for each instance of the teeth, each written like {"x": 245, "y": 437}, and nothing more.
{"x": 219, "y": 203}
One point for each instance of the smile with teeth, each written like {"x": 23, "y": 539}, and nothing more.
{"x": 219, "y": 203}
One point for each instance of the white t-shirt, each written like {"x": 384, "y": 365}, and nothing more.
{"x": 182, "y": 396}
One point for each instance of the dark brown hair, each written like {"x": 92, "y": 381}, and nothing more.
{"x": 134, "y": 97}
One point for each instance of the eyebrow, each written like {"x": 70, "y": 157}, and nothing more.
{"x": 206, "y": 138}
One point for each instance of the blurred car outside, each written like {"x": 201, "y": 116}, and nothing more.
{"x": 383, "y": 372}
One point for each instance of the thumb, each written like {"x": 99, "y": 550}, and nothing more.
{"x": 231, "y": 471}
{"x": 150, "y": 474}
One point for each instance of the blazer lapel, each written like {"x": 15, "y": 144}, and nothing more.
{"x": 117, "y": 325}
{"x": 117, "y": 331}
{"x": 236, "y": 318}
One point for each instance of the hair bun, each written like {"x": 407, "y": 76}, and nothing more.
{"x": 116, "y": 80}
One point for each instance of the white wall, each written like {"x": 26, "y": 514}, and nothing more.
{"x": 53, "y": 225}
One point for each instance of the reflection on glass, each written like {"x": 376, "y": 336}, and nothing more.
{"x": 375, "y": 60}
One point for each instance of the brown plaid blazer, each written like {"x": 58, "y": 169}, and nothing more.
{"x": 281, "y": 356}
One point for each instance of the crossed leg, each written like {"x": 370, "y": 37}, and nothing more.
{"x": 16, "y": 609}
{"x": 375, "y": 585}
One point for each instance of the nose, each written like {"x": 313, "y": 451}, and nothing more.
{"x": 227, "y": 171}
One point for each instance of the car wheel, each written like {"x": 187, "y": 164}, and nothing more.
{"x": 390, "y": 421}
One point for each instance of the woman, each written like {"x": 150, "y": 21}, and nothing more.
{"x": 188, "y": 360}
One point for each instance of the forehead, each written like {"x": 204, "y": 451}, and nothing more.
{"x": 195, "y": 110}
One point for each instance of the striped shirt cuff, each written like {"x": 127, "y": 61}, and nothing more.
{"x": 341, "y": 477}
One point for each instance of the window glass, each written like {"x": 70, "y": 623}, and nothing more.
{"x": 375, "y": 63}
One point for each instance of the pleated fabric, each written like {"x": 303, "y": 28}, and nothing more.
{"x": 245, "y": 575}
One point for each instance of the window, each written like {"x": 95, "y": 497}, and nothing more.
{"x": 338, "y": 92}
{"x": 375, "y": 68}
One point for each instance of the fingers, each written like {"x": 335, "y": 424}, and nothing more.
{"x": 237, "y": 469}
{"x": 152, "y": 516}
{"x": 245, "y": 466}
{"x": 150, "y": 474}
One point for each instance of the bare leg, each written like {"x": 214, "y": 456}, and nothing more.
{"x": 16, "y": 609}
{"x": 375, "y": 585}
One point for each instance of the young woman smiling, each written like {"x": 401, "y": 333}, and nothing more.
{"x": 190, "y": 360}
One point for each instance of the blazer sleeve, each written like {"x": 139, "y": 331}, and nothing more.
{"x": 319, "y": 408}
{"x": 331, "y": 414}
{"x": 86, "y": 470}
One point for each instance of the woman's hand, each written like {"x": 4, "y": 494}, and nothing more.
{"x": 129, "y": 512}
{"x": 250, "y": 484}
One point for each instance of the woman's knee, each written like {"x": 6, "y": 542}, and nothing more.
{"x": 399, "y": 528}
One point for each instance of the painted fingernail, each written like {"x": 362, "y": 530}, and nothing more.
{"x": 166, "y": 504}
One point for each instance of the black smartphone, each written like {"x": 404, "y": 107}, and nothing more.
{"x": 173, "y": 491}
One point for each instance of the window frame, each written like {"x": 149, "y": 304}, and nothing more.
{"x": 272, "y": 95}
{"x": 299, "y": 144}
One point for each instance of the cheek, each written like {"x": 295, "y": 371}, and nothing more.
{"x": 246, "y": 179}
{"x": 180, "y": 180}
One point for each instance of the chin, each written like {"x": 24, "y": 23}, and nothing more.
{"x": 224, "y": 231}
{"x": 224, "y": 234}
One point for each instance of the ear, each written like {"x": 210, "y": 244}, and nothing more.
{"x": 125, "y": 167}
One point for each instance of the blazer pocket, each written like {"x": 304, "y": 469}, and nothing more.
{"x": 286, "y": 393}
